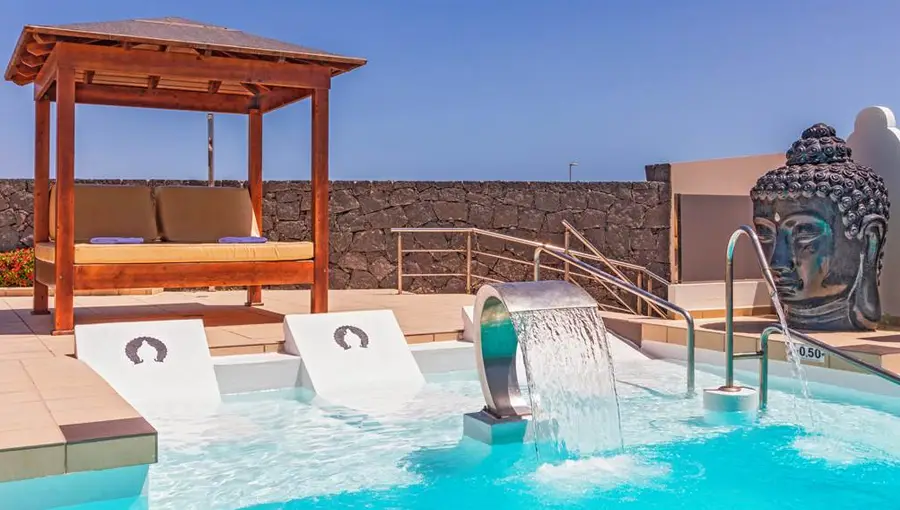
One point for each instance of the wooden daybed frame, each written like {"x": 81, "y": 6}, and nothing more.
{"x": 204, "y": 68}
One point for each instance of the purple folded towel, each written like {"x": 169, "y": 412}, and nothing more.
{"x": 117, "y": 240}
{"x": 242, "y": 240}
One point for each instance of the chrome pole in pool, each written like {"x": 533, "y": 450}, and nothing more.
{"x": 729, "y": 295}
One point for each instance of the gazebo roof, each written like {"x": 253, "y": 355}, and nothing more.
{"x": 163, "y": 34}
{"x": 173, "y": 63}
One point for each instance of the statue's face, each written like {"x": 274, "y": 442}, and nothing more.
{"x": 811, "y": 259}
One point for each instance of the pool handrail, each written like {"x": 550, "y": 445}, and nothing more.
{"x": 631, "y": 288}
{"x": 743, "y": 230}
{"x": 762, "y": 354}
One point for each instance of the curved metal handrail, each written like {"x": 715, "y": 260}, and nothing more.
{"x": 748, "y": 231}
{"x": 762, "y": 354}
{"x": 628, "y": 287}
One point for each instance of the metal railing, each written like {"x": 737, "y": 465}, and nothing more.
{"x": 645, "y": 277}
{"x": 631, "y": 288}
{"x": 615, "y": 270}
{"x": 763, "y": 353}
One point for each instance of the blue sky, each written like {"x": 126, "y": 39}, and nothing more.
{"x": 501, "y": 90}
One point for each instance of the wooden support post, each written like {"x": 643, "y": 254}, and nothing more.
{"x": 41, "y": 304}
{"x": 64, "y": 312}
{"x": 255, "y": 183}
{"x": 320, "y": 218}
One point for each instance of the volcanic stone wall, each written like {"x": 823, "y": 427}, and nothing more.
{"x": 628, "y": 221}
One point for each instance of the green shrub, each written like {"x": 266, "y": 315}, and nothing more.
{"x": 17, "y": 268}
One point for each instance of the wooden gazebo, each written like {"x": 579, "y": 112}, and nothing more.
{"x": 176, "y": 64}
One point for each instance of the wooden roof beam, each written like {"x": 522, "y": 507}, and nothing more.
{"x": 46, "y": 77}
{"x": 110, "y": 95}
{"x": 89, "y": 77}
{"x": 32, "y": 61}
{"x": 152, "y": 82}
{"x": 194, "y": 66}
{"x": 214, "y": 86}
{"x": 43, "y": 39}
{"x": 38, "y": 49}
{"x": 278, "y": 98}
{"x": 255, "y": 88}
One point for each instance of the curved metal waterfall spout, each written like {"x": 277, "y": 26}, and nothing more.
{"x": 496, "y": 341}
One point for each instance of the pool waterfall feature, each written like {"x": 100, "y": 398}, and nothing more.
{"x": 571, "y": 403}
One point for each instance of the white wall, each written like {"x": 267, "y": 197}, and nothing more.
{"x": 876, "y": 143}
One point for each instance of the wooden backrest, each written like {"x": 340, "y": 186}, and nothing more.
{"x": 109, "y": 211}
{"x": 200, "y": 214}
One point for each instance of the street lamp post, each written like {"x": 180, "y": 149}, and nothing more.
{"x": 574, "y": 163}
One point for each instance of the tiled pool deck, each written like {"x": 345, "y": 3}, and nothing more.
{"x": 58, "y": 416}
{"x": 881, "y": 348}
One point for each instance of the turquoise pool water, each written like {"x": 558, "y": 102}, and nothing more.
{"x": 274, "y": 450}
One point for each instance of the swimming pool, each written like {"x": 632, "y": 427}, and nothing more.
{"x": 274, "y": 450}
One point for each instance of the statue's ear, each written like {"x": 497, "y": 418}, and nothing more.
{"x": 866, "y": 303}
{"x": 874, "y": 229}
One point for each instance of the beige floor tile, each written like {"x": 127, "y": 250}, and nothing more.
{"x": 96, "y": 455}
{"x": 677, "y": 336}
{"x": 76, "y": 392}
{"x": 25, "y": 415}
{"x": 710, "y": 340}
{"x": 59, "y": 345}
{"x": 93, "y": 414}
{"x": 32, "y": 463}
{"x": 31, "y": 437}
{"x": 27, "y": 355}
{"x": 265, "y": 332}
{"x": 231, "y": 351}
{"x": 112, "y": 401}
{"x": 17, "y": 397}
{"x": 653, "y": 332}
{"x": 20, "y": 344}
{"x": 217, "y": 337}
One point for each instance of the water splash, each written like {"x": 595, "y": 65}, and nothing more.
{"x": 793, "y": 358}
{"x": 571, "y": 380}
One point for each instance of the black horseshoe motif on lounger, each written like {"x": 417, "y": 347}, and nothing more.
{"x": 131, "y": 349}
{"x": 342, "y": 331}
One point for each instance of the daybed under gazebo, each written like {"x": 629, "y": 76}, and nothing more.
{"x": 176, "y": 64}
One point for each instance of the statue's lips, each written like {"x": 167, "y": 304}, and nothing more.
{"x": 787, "y": 285}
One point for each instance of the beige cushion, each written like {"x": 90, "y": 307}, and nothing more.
{"x": 109, "y": 211}
{"x": 199, "y": 214}
{"x": 162, "y": 253}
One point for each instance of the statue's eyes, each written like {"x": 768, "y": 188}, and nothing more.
{"x": 806, "y": 232}
{"x": 765, "y": 234}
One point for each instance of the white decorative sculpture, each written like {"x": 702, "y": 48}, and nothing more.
{"x": 876, "y": 143}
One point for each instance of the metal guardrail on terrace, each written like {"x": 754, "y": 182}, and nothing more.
{"x": 645, "y": 279}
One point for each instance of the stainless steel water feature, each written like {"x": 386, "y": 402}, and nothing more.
{"x": 496, "y": 342}
{"x": 763, "y": 353}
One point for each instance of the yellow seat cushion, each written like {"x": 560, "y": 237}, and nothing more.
{"x": 160, "y": 253}
{"x": 109, "y": 211}
{"x": 200, "y": 214}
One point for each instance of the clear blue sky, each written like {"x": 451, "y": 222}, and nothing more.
{"x": 507, "y": 90}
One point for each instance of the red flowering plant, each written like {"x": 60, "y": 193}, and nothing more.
{"x": 17, "y": 268}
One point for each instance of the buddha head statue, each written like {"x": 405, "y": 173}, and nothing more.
{"x": 822, "y": 221}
